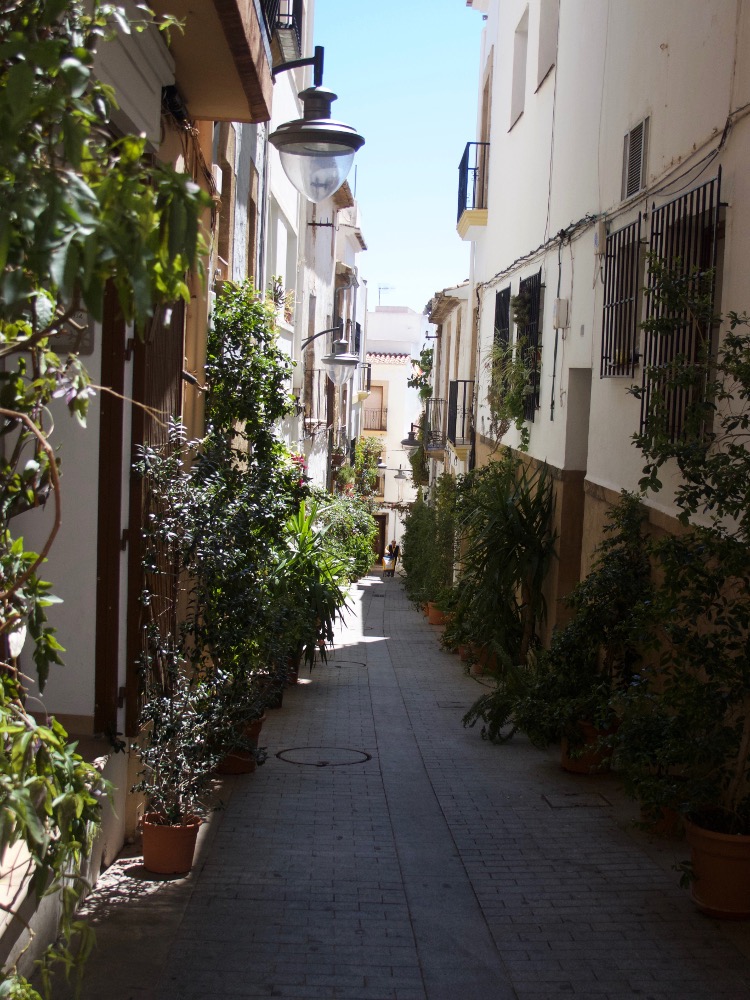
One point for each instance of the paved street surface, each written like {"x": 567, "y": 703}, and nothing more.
{"x": 385, "y": 853}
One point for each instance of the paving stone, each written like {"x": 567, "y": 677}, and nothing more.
{"x": 442, "y": 867}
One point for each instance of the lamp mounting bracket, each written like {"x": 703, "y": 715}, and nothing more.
{"x": 332, "y": 329}
{"x": 316, "y": 61}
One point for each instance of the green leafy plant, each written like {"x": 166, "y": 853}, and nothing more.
{"x": 177, "y": 747}
{"x": 520, "y": 307}
{"x": 508, "y": 386}
{"x": 79, "y": 210}
{"x": 428, "y": 543}
{"x": 308, "y": 582}
{"x": 690, "y": 709}
{"x": 505, "y": 515}
{"x": 367, "y": 453}
{"x": 350, "y": 530}
{"x": 422, "y": 365}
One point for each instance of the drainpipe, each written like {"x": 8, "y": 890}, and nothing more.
{"x": 263, "y": 215}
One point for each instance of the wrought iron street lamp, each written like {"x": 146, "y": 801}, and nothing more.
{"x": 340, "y": 364}
{"x": 400, "y": 474}
{"x": 316, "y": 152}
{"x": 410, "y": 443}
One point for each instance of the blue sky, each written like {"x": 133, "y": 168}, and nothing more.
{"x": 406, "y": 75}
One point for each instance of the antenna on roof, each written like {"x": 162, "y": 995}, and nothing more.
{"x": 384, "y": 288}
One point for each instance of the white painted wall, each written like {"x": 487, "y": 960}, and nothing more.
{"x": 685, "y": 64}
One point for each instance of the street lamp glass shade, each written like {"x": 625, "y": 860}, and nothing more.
{"x": 340, "y": 367}
{"x": 316, "y": 152}
{"x": 317, "y": 170}
{"x": 410, "y": 443}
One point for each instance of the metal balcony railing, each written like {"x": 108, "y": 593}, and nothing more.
{"x": 284, "y": 20}
{"x": 436, "y": 413}
{"x": 375, "y": 420}
{"x": 472, "y": 177}
{"x": 460, "y": 411}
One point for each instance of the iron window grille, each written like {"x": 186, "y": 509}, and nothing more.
{"x": 684, "y": 237}
{"x": 530, "y": 335}
{"x": 436, "y": 412}
{"x": 502, "y": 318}
{"x": 284, "y": 19}
{"x": 622, "y": 301}
{"x": 472, "y": 177}
{"x": 375, "y": 419}
{"x": 460, "y": 411}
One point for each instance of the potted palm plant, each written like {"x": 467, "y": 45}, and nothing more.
{"x": 307, "y": 583}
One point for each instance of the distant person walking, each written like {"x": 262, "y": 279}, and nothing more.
{"x": 396, "y": 550}
{"x": 389, "y": 562}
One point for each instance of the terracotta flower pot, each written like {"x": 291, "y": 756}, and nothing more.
{"x": 237, "y": 762}
{"x": 169, "y": 850}
{"x": 721, "y": 865}
{"x": 434, "y": 615}
{"x": 464, "y": 653}
{"x": 592, "y": 760}
{"x": 252, "y": 730}
{"x": 241, "y": 761}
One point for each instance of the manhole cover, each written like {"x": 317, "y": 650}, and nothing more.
{"x": 323, "y": 756}
{"x": 336, "y": 662}
{"x": 576, "y": 800}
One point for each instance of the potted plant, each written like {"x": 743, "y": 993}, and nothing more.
{"x": 344, "y": 478}
{"x": 178, "y": 754}
{"x": 695, "y": 697}
{"x": 307, "y": 587}
{"x": 568, "y": 692}
{"x": 237, "y": 701}
{"x": 504, "y": 515}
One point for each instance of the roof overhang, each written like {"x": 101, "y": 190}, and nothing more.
{"x": 222, "y": 59}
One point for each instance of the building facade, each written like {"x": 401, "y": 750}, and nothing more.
{"x": 605, "y": 133}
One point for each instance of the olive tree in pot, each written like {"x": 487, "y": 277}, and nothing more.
{"x": 178, "y": 754}
{"x": 696, "y": 704}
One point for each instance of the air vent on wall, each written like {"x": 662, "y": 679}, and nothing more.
{"x": 634, "y": 154}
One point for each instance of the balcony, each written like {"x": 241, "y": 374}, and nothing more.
{"x": 284, "y": 23}
{"x": 222, "y": 65}
{"x": 364, "y": 376}
{"x": 435, "y": 427}
{"x": 472, "y": 190}
{"x": 374, "y": 420}
{"x": 461, "y": 417}
{"x": 460, "y": 412}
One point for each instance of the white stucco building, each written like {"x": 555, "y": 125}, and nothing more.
{"x": 395, "y": 335}
{"x": 605, "y": 131}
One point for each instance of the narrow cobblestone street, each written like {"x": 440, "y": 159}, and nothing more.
{"x": 385, "y": 853}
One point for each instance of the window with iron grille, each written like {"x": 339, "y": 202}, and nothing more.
{"x": 502, "y": 318}
{"x": 622, "y": 301}
{"x": 684, "y": 237}
{"x": 529, "y": 333}
{"x": 634, "y": 156}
